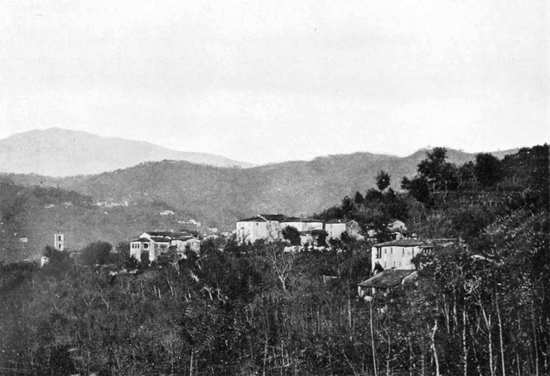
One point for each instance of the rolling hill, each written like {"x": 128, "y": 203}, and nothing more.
{"x": 29, "y": 217}
{"x": 219, "y": 196}
{"x": 62, "y": 152}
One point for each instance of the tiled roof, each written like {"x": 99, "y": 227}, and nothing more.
{"x": 387, "y": 278}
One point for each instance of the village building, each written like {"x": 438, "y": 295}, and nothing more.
{"x": 335, "y": 228}
{"x": 265, "y": 227}
{"x": 152, "y": 244}
{"x": 396, "y": 254}
{"x": 268, "y": 227}
{"x": 303, "y": 224}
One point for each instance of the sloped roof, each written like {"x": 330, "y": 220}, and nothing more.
{"x": 264, "y": 217}
{"x": 402, "y": 243}
{"x": 387, "y": 278}
{"x": 305, "y": 220}
{"x": 274, "y": 217}
{"x": 160, "y": 233}
{"x": 252, "y": 219}
{"x": 159, "y": 239}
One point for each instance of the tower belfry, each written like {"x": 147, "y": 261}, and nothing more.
{"x": 59, "y": 241}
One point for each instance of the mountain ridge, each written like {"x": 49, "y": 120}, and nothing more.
{"x": 219, "y": 195}
{"x": 61, "y": 152}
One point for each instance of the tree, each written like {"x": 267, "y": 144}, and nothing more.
{"x": 320, "y": 237}
{"x": 347, "y": 206}
{"x": 281, "y": 262}
{"x": 291, "y": 234}
{"x": 383, "y": 180}
{"x": 439, "y": 174}
{"x": 417, "y": 187}
{"x": 466, "y": 176}
{"x": 488, "y": 170}
{"x": 96, "y": 253}
{"x": 358, "y": 198}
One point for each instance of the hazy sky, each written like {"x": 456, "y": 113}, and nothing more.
{"x": 276, "y": 80}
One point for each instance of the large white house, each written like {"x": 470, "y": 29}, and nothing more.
{"x": 269, "y": 227}
{"x": 261, "y": 227}
{"x": 154, "y": 243}
{"x": 303, "y": 224}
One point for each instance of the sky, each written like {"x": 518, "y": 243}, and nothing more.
{"x": 267, "y": 81}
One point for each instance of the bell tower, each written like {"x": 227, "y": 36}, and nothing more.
{"x": 59, "y": 241}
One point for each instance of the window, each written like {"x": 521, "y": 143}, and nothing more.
{"x": 145, "y": 245}
{"x": 378, "y": 253}
{"x": 403, "y": 251}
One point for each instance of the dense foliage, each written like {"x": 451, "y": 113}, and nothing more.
{"x": 479, "y": 308}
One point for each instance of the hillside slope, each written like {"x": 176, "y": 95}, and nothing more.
{"x": 221, "y": 195}
{"x": 61, "y": 152}
{"x": 29, "y": 217}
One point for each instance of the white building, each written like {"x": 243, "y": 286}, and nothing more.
{"x": 154, "y": 243}
{"x": 396, "y": 254}
{"x": 261, "y": 227}
{"x": 303, "y": 224}
{"x": 268, "y": 227}
{"x": 392, "y": 263}
{"x": 335, "y": 229}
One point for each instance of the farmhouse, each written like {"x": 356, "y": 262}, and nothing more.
{"x": 392, "y": 263}
{"x": 396, "y": 254}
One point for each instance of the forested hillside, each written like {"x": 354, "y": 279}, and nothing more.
{"x": 481, "y": 307}
{"x": 219, "y": 196}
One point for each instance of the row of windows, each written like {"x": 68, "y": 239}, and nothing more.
{"x": 136, "y": 245}
{"x": 379, "y": 252}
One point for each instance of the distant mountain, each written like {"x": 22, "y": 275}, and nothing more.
{"x": 219, "y": 196}
{"x": 62, "y": 152}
